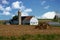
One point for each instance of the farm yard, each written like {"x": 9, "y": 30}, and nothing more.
{"x": 46, "y": 29}
{"x": 27, "y": 32}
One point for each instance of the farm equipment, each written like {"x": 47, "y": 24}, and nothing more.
{"x": 43, "y": 25}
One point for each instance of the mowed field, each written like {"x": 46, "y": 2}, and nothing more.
{"x": 17, "y": 30}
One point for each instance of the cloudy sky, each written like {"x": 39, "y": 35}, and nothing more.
{"x": 37, "y": 8}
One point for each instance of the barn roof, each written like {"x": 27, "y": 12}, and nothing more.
{"x": 26, "y": 17}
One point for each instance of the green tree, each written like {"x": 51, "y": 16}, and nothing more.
{"x": 15, "y": 18}
{"x": 55, "y": 18}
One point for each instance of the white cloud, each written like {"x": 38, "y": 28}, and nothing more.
{"x": 5, "y": 2}
{"x": 22, "y": 8}
{"x": 12, "y": 15}
{"x": 6, "y": 13}
{"x": 46, "y": 7}
{"x": 8, "y": 9}
{"x": 43, "y": 2}
{"x": 28, "y": 10}
{"x": 48, "y": 15}
{"x": 19, "y": 5}
{"x": 5, "y": 9}
{"x": 16, "y": 4}
{"x": 24, "y": 14}
{"x": 1, "y": 7}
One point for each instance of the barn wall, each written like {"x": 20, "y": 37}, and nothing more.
{"x": 26, "y": 22}
{"x": 34, "y": 21}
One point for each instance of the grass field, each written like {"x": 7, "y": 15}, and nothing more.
{"x": 32, "y": 37}
{"x": 27, "y": 32}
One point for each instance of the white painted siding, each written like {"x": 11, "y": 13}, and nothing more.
{"x": 34, "y": 21}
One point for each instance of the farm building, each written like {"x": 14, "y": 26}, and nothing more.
{"x": 23, "y": 20}
{"x": 55, "y": 21}
{"x": 29, "y": 20}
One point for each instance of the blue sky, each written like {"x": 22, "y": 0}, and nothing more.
{"x": 38, "y": 8}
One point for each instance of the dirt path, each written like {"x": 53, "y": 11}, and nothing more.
{"x": 17, "y": 30}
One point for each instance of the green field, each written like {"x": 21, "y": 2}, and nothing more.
{"x": 33, "y": 37}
